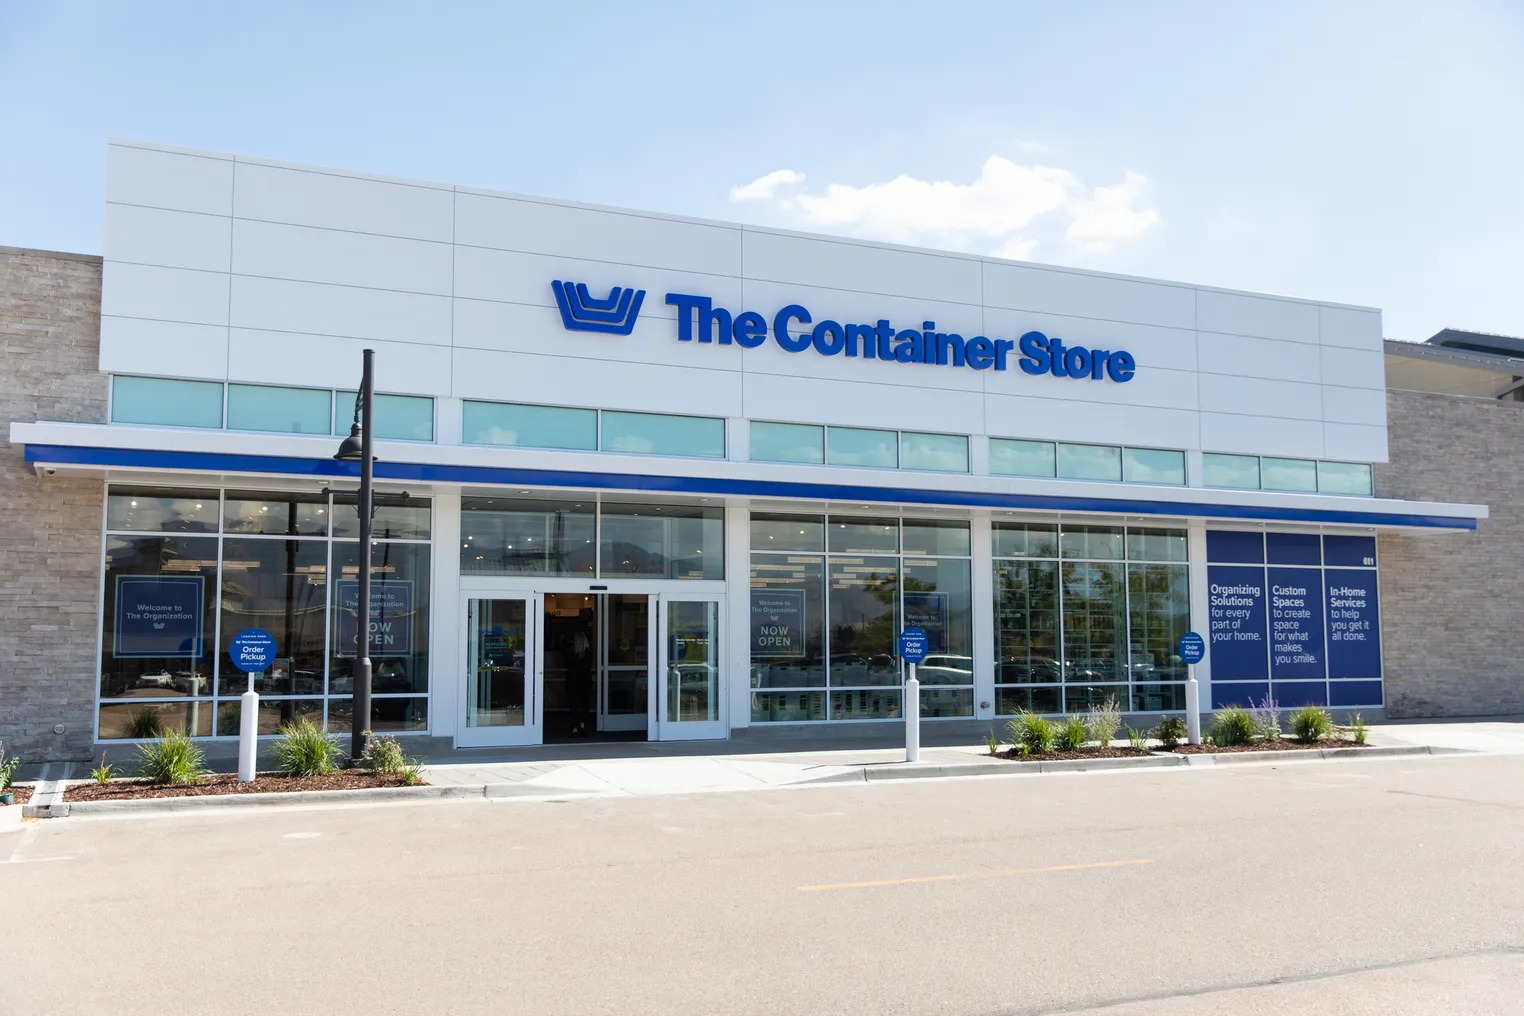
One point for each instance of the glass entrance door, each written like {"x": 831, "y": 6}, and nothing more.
{"x": 503, "y": 672}
{"x": 624, "y": 662}
{"x": 689, "y": 701}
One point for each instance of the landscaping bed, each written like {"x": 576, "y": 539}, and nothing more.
{"x": 227, "y": 783}
{"x": 1278, "y": 744}
{"x": 1013, "y": 755}
{"x": 23, "y": 794}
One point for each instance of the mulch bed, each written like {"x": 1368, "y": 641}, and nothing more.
{"x": 1012, "y": 755}
{"x": 1279, "y": 744}
{"x": 23, "y": 794}
{"x": 227, "y": 783}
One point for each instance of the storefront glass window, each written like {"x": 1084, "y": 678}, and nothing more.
{"x": 282, "y": 410}
{"x": 1022, "y": 458}
{"x": 667, "y": 540}
{"x": 276, "y": 514}
{"x": 162, "y": 402}
{"x": 1237, "y": 472}
{"x": 397, "y": 417}
{"x": 1344, "y": 478}
{"x": 156, "y": 510}
{"x": 1153, "y": 465}
{"x": 851, "y": 446}
{"x": 787, "y": 442}
{"x": 502, "y": 423}
{"x": 157, "y": 617}
{"x": 944, "y": 453}
{"x": 395, "y": 518}
{"x": 1289, "y": 474}
{"x": 282, "y": 587}
{"x": 1089, "y": 462}
{"x": 502, "y": 536}
{"x": 399, "y": 603}
{"x": 659, "y": 434}
{"x": 787, "y": 532}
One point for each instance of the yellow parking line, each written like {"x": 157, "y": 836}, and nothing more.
{"x": 990, "y": 874}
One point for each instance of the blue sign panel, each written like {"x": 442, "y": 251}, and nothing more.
{"x": 1192, "y": 647}
{"x": 928, "y": 612}
{"x": 1236, "y": 609}
{"x": 1354, "y": 633}
{"x": 252, "y": 650}
{"x": 391, "y": 617}
{"x": 912, "y": 645}
{"x": 1349, "y": 551}
{"x": 158, "y": 616}
{"x": 777, "y": 623}
{"x": 1296, "y": 624}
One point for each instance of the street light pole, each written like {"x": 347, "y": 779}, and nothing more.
{"x": 358, "y": 445}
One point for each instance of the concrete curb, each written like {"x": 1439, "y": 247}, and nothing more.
{"x": 1313, "y": 754}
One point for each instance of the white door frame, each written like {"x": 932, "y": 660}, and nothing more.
{"x": 532, "y": 730}
{"x": 662, "y": 728}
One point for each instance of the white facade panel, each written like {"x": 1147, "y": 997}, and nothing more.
{"x": 483, "y": 273}
{"x": 1082, "y": 294}
{"x": 568, "y": 231}
{"x": 776, "y": 397}
{"x": 171, "y": 180}
{"x": 1154, "y": 346}
{"x": 334, "y": 201}
{"x": 769, "y": 358}
{"x": 302, "y": 253}
{"x": 831, "y": 263}
{"x": 345, "y": 311}
{"x": 846, "y": 306}
{"x": 1252, "y": 396}
{"x": 163, "y": 348}
{"x": 1354, "y": 368}
{"x": 1256, "y": 435}
{"x": 1351, "y": 442}
{"x": 1101, "y": 423}
{"x": 1355, "y": 405}
{"x": 168, "y": 239}
{"x": 1245, "y": 356}
{"x": 502, "y": 376}
{"x": 330, "y": 362}
{"x": 1350, "y": 326}
{"x": 1262, "y": 316}
{"x": 165, "y": 294}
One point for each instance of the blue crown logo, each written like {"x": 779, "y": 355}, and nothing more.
{"x": 581, "y": 313}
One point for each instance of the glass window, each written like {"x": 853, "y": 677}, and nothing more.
{"x": 850, "y": 446}
{"x": 397, "y": 417}
{"x": 1089, "y": 462}
{"x": 787, "y": 706}
{"x": 157, "y": 617}
{"x": 1152, "y": 465}
{"x": 275, "y": 514}
{"x": 866, "y": 704}
{"x": 1026, "y": 623}
{"x": 1238, "y": 472}
{"x": 1095, "y": 626}
{"x": 1159, "y": 605}
{"x": 864, "y": 595}
{"x": 787, "y": 532}
{"x": 1344, "y": 478}
{"x": 502, "y": 536}
{"x": 502, "y": 423}
{"x": 1022, "y": 458}
{"x": 787, "y": 621}
{"x": 283, "y": 410}
{"x": 852, "y": 535}
{"x": 658, "y": 434}
{"x": 389, "y": 715}
{"x": 120, "y": 720}
{"x": 396, "y": 518}
{"x": 399, "y": 622}
{"x": 1156, "y": 545}
{"x": 787, "y": 442}
{"x": 943, "y": 453}
{"x": 157, "y": 510}
{"x": 165, "y": 403}
{"x": 669, "y": 540}
{"x": 1099, "y": 543}
{"x": 938, "y": 598}
{"x": 1289, "y": 474}
{"x": 1025, "y": 539}
{"x": 282, "y": 587}
{"x": 936, "y": 536}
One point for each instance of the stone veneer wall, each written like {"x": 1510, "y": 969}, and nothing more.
{"x": 1452, "y": 605}
{"x": 50, "y": 544}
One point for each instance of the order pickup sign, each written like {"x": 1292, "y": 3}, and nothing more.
{"x": 913, "y": 645}
{"x": 252, "y": 650}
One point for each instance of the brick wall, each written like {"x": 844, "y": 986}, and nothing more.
{"x": 1451, "y": 607}
{"x": 50, "y": 316}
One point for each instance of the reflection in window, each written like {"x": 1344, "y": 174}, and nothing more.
{"x": 501, "y": 536}
{"x": 1022, "y": 458}
{"x": 1289, "y": 474}
{"x": 397, "y": 417}
{"x": 157, "y": 510}
{"x": 661, "y": 434}
{"x": 863, "y": 621}
{"x": 1026, "y": 622}
{"x": 281, "y": 410}
{"x": 851, "y": 446}
{"x": 1237, "y": 472}
{"x": 671, "y": 541}
{"x": 1158, "y": 598}
{"x": 787, "y": 442}
{"x": 162, "y": 402}
{"x": 1089, "y": 462}
{"x": 396, "y": 518}
{"x": 1344, "y": 478}
{"x": 788, "y": 621}
{"x": 282, "y": 587}
{"x": 157, "y": 617}
{"x": 275, "y": 514}
{"x": 503, "y": 423}
{"x": 787, "y": 532}
{"x": 1153, "y": 465}
{"x": 399, "y": 603}
{"x": 945, "y": 453}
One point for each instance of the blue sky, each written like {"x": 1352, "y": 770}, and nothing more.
{"x": 1368, "y": 153}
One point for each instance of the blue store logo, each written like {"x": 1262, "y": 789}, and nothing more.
{"x": 613, "y": 316}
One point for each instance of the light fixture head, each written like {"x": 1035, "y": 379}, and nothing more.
{"x": 351, "y": 448}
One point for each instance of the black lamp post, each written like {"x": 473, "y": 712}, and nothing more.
{"x": 358, "y": 446}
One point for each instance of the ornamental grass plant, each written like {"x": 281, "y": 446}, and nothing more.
{"x": 173, "y": 758}
{"x": 1232, "y": 727}
{"x": 305, "y": 749}
{"x": 1310, "y": 725}
{"x": 1070, "y": 735}
{"x": 1031, "y": 733}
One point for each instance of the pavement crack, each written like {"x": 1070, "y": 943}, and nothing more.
{"x": 1458, "y": 800}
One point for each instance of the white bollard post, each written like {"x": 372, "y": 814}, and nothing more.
{"x": 1192, "y": 707}
{"x": 248, "y": 732}
{"x": 912, "y": 718}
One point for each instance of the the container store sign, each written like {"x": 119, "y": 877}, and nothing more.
{"x": 391, "y": 617}
{"x": 158, "y": 616}
{"x": 1294, "y": 618}
{"x": 777, "y": 623}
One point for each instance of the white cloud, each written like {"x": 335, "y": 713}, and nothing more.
{"x": 997, "y": 213}
{"x": 764, "y": 187}
{"x": 1109, "y": 216}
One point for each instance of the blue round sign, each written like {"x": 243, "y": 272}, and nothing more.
{"x": 1192, "y": 647}
{"x": 913, "y": 645}
{"x": 252, "y": 650}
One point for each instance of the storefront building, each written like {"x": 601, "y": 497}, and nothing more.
{"x": 651, "y": 477}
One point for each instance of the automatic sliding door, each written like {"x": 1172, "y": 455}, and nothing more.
{"x": 690, "y": 694}
{"x": 626, "y": 661}
{"x": 502, "y": 673}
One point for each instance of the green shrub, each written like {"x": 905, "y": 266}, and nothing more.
{"x": 1232, "y": 726}
{"x": 1031, "y": 734}
{"x": 8, "y": 766}
{"x": 1070, "y": 735}
{"x": 1267, "y": 719}
{"x": 1357, "y": 728}
{"x": 105, "y": 772}
{"x": 1310, "y": 724}
{"x": 1137, "y": 738}
{"x": 173, "y": 758}
{"x": 146, "y": 725}
{"x": 1103, "y": 721}
{"x": 383, "y": 756}
{"x": 1171, "y": 731}
{"x": 305, "y": 749}
{"x": 993, "y": 740}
